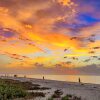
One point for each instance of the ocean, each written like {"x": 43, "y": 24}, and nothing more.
{"x": 70, "y": 78}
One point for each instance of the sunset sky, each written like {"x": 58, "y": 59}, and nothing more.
{"x": 49, "y": 33}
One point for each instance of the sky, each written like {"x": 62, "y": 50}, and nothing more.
{"x": 49, "y": 33}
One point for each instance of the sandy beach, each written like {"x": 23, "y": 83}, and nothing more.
{"x": 86, "y": 91}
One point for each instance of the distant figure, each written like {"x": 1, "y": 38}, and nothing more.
{"x": 15, "y": 75}
{"x": 43, "y": 77}
{"x": 79, "y": 80}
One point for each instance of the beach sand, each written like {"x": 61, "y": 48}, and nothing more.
{"x": 86, "y": 90}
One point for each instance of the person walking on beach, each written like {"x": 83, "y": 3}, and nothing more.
{"x": 79, "y": 80}
{"x": 43, "y": 77}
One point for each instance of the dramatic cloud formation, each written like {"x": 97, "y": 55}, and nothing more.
{"x": 49, "y": 32}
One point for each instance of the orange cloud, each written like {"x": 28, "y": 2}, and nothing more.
{"x": 35, "y": 33}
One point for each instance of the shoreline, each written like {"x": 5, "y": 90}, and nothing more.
{"x": 66, "y": 78}
{"x": 46, "y": 79}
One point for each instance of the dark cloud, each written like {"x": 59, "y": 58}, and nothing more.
{"x": 92, "y": 69}
{"x": 7, "y": 33}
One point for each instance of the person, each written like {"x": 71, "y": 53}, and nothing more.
{"x": 79, "y": 80}
{"x": 43, "y": 77}
{"x": 15, "y": 75}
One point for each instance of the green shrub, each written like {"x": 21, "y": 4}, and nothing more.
{"x": 10, "y": 91}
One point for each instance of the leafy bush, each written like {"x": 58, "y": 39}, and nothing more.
{"x": 10, "y": 91}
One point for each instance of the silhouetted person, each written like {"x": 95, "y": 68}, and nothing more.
{"x": 43, "y": 77}
{"x": 15, "y": 75}
{"x": 79, "y": 80}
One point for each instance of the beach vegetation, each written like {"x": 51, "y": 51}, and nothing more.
{"x": 57, "y": 94}
{"x": 66, "y": 97}
{"x": 71, "y": 97}
{"x": 11, "y": 91}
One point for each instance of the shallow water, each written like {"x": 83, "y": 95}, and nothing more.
{"x": 70, "y": 78}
